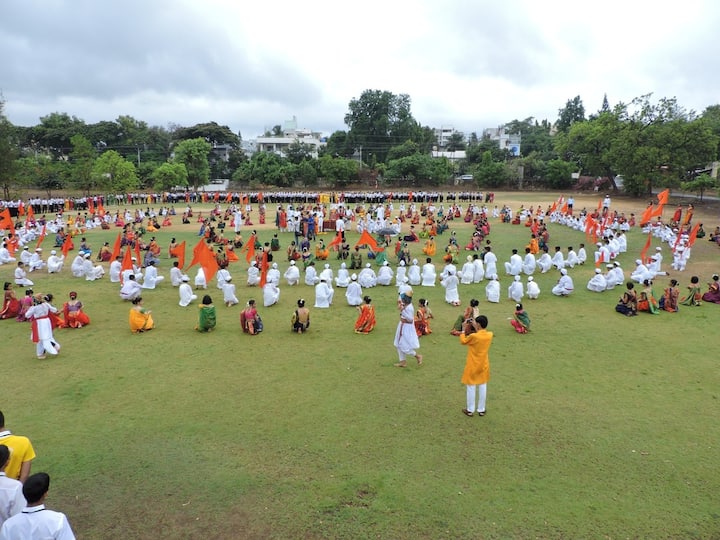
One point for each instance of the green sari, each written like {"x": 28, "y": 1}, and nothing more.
{"x": 207, "y": 321}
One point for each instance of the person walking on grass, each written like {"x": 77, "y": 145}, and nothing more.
{"x": 477, "y": 364}
{"x": 406, "y": 340}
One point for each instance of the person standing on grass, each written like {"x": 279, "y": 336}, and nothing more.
{"x": 11, "y": 497}
{"x": 477, "y": 364}
{"x": 36, "y": 521}
{"x": 42, "y": 330}
{"x": 406, "y": 340}
{"x": 21, "y": 453}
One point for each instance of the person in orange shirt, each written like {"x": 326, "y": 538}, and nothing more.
{"x": 477, "y": 363}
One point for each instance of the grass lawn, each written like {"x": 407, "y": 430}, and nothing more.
{"x": 598, "y": 425}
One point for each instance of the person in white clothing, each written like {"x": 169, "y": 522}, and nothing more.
{"x": 229, "y": 292}
{"x": 200, "y": 281}
{"x": 42, "y": 332}
{"x": 468, "y": 271}
{"x": 152, "y": 279}
{"x": 641, "y": 272}
{"x": 77, "y": 266}
{"x": 544, "y": 262}
{"x": 367, "y": 277}
{"x": 478, "y": 268}
{"x": 5, "y": 256}
{"x": 21, "y": 276}
{"x": 515, "y": 290}
{"x": 614, "y": 276}
{"x": 564, "y": 285}
{"x": 273, "y": 275}
{"x": 222, "y": 277}
{"x": 176, "y": 275}
{"x": 532, "y": 289}
{"x": 36, "y": 262}
{"x": 271, "y": 294}
{"x": 492, "y": 290}
{"x": 343, "y": 278}
{"x": 490, "y": 262}
{"x": 529, "y": 263}
{"x": 514, "y": 266}
{"x": 428, "y": 275}
{"x": 55, "y": 262}
{"x": 450, "y": 282}
{"x": 581, "y": 254}
{"x": 597, "y": 283}
{"x": 11, "y": 498}
{"x": 186, "y": 292}
{"x": 311, "y": 277}
{"x": 400, "y": 274}
{"x": 354, "y": 293}
{"x": 115, "y": 269}
{"x": 91, "y": 271}
{"x": 253, "y": 275}
{"x": 572, "y": 259}
{"x": 385, "y": 275}
{"x": 36, "y": 521}
{"x": 323, "y": 294}
{"x": 558, "y": 260}
{"x": 413, "y": 273}
{"x": 130, "y": 289}
{"x": 292, "y": 274}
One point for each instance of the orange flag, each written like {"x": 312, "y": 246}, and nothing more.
{"x": 337, "y": 241}
{"x": 67, "y": 245}
{"x": 42, "y": 237}
{"x": 599, "y": 206}
{"x": 693, "y": 235}
{"x": 6, "y": 221}
{"x": 366, "y": 238}
{"x": 137, "y": 249}
{"x": 663, "y": 197}
{"x": 30, "y": 213}
{"x": 553, "y": 207}
{"x": 644, "y": 251}
{"x": 263, "y": 269}
{"x": 646, "y": 215}
{"x": 229, "y": 197}
{"x": 197, "y": 253}
{"x": 91, "y": 205}
{"x": 127, "y": 263}
{"x": 21, "y": 209}
{"x": 100, "y": 208}
{"x": 657, "y": 212}
{"x": 564, "y": 209}
{"x": 250, "y": 248}
{"x": 231, "y": 255}
{"x": 601, "y": 259}
{"x": 206, "y": 259}
{"x": 117, "y": 247}
{"x": 179, "y": 252}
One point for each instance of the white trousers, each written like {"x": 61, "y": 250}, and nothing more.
{"x": 482, "y": 394}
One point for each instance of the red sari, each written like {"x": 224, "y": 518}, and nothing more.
{"x": 75, "y": 317}
{"x": 366, "y": 320}
{"x": 11, "y": 306}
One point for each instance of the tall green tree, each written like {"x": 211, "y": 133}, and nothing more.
{"x": 490, "y": 173}
{"x": 9, "y": 153}
{"x": 701, "y": 184}
{"x": 212, "y": 132}
{"x": 55, "y": 132}
{"x": 81, "y": 164}
{"x": 169, "y": 175}
{"x": 193, "y": 153}
{"x": 455, "y": 142}
{"x": 573, "y": 112}
{"x": 114, "y": 173}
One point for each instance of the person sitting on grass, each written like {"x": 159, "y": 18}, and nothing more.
{"x": 627, "y": 305}
{"x": 207, "y": 317}
{"x": 140, "y": 318}
{"x": 250, "y": 320}
{"x": 520, "y": 321}
{"x": 301, "y": 318}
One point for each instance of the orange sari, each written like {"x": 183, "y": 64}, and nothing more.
{"x": 366, "y": 321}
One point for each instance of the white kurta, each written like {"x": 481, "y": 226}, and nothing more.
{"x": 406, "y": 339}
{"x": 428, "y": 275}
{"x": 323, "y": 295}
{"x": 354, "y": 294}
{"x": 186, "y": 295}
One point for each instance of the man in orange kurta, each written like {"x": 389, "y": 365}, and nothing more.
{"x": 477, "y": 364}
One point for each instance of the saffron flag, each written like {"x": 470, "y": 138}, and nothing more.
{"x": 599, "y": 206}
{"x": 564, "y": 209}
{"x": 91, "y": 205}
{"x": 137, "y": 249}
{"x": 228, "y": 198}
{"x": 646, "y": 215}
{"x": 6, "y": 221}
{"x": 337, "y": 241}
{"x": 693, "y": 235}
{"x": 41, "y": 238}
{"x": 250, "y": 248}
{"x": 553, "y": 207}
{"x": 179, "y": 252}
{"x": 127, "y": 263}
{"x": 117, "y": 247}
{"x": 231, "y": 255}
{"x": 263, "y": 269}
{"x": 30, "y": 213}
{"x": 197, "y": 253}
{"x": 21, "y": 209}
{"x": 601, "y": 259}
{"x": 366, "y": 238}
{"x": 663, "y": 197}
{"x": 644, "y": 251}
{"x": 100, "y": 208}
{"x": 67, "y": 245}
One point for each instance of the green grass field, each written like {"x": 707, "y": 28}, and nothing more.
{"x": 598, "y": 425}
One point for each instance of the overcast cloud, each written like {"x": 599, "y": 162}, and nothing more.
{"x": 470, "y": 64}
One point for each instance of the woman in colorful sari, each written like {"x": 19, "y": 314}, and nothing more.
{"x": 627, "y": 305}
{"x": 75, "y": 317}
{"x": 647, "y": 301}
{"x": 11, "y": 305}
{"x": 422, "y": 318}
{"x": 140, "y": 318}
{"x": 713, "y": 292}
{"x": 471, "y": 312}
{"x": 366, "y": 320}
{"x": 521, "y": 320}
{"x": 206, "y": 317}
{"x": 694, "y": 295}
{"x": 250, "y": 320}
{"x": 669, "y": 300}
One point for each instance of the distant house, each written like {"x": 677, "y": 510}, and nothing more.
{"x": 506, "y": 141}
{"x": 291, "y": 134}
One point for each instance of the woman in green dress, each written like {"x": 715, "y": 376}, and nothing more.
{"x": 207, "y": 320}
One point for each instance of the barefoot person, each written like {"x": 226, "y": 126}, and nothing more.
{"x": 406, "y": 340}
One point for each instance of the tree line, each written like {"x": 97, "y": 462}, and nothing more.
{"x": 648, "y": 144}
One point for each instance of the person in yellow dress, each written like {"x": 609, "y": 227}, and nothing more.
{"x": 430, "y": 248}
{"x": 477, "y": 363}
{"x": 140, "y": 318}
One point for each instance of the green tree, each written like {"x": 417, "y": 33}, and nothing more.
{"x": 9, "y": 154}
{"x": 298, "y": 151}
{"x": 169, "y": 175}
{"x": 455, "y": 142}
{"x": 558, "y": 174}
{"x": 573, "y": 112}
{"x": 700, "y": 184}
{"x": 338, "y": 171}
{"x": 339, "y": 145}
{"x": 535, "y": 135}
{"x": 379, "y": 120}
{"x": 55, "y": 131}
{"x": 408, "y": 148}
{"x": 711, "y": 115}
{"x": 114, "y": 173}
{"x": 264, "y": 168}
{"x": 82, "y": 163}
{"x": 41, "y": 172}
{"x": 212, "y": 132}
{"x": 489, "y": 173}
{"x": 193, "y": 153}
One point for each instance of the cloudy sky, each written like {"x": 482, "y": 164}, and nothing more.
{"x": 470, "y": 64}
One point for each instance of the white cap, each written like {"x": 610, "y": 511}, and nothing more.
{"x": 53, "y": 252}
{"x": 367, "y": 265}
{"x": 530, "y": 278}
{"x": 597, "y": 270}
{"x": 517, "y": 278}
{"x": 353, "y": 277}
{"x": 292, "y": 263}
{"x": 563, "y": 272}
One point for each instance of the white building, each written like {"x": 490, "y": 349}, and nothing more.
{"x": 291, "y": 134}
{"x": 506, "y": 141}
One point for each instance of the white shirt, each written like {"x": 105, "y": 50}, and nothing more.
{"x": 37, "y": 522}
{"x": 11, "y": 497}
